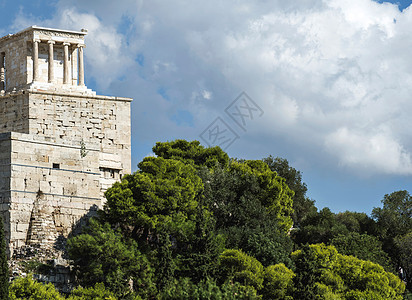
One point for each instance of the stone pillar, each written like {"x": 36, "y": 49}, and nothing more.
{"x": 74, "y": 65}
{"x": 81, "y": 66}
{"x": 35, "y": 60}
{"x": 51, "y": 61}
{"x": 66, "y": 70}
{"x": 2, "y": 71}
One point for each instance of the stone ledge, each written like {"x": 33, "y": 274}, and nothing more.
{"x": 64, "y": 93}
{"x": 37, "y": 139}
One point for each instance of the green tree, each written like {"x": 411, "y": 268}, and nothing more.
{"x": 4, "y": 268}
{"x": 394, "y": 220}
{"x": 101, "y": 254}
{"x": 319, "y": 227}
{"x": 192, "y": 152}
{"x": 199, "y": 255}
{"x": 331, "y": 275}
{"x": 363, "y": 246}
{"x": 357, "y": 222}
{"x": 278, "y": 283}
{"x": 404, "y": 244}
{"x": 234, "y": 199}
{"x": 161, "y": 196}
{"x": 97, "y": 292}
{"x": 302, "y": 205}
{"x": 27, "y": 288}
{"x": 307, "y": 273}
{"x": 161, "y": 207}
{"x": 208, "y": 289}
{"x": 243, "y": 268}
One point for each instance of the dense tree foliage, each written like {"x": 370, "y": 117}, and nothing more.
{"x": 192, "y": 223}
{"x": 394, "y": 223}
{"x": 278, "y": 282}
{"x": 404, "y": 244}
{"x": 162, "y": 196}
{"x": 319, "y": 227}
{"x": 192, "y": 153}
{"x": 208, "y": 289}
{"x": 323, "y": 273}
{"x": 232, "y": 196}
{"x": 27, "y": 288}
{"x": 302, "y": 205}
{"x": 363, "y": 246}
{"x": 102, "y": 255}
{"x": 242, "y": 268}
{"x": 98, "y": 292}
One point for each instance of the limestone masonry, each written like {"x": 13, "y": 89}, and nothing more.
{"x": 61, "y": 145}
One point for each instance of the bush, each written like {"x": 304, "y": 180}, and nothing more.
{"x": 98, "y": 292}
{"x": 27, "y": 288}
{"x": 244, "y": 269}
{"x": 184, "y": 289}
{"x": 278, "y": 282}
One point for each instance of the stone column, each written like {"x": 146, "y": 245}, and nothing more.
{"x": 51, "y": 61}
{"x": 66, "y": 63}
{"x": 81, "y": 66}
{"x": 35, "y": 60}
{"x": 74, "y": 65}
{"x": 2, "y": 77}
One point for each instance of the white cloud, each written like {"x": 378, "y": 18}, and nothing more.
{"x": 207, "y": 94}
{"x": 332, "y": 76}
{"x": 375, "y": 152}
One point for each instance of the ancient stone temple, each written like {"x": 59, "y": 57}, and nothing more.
{"x": 61, "y": 144}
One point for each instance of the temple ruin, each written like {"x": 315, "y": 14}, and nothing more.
{"x": 61, "y": 144}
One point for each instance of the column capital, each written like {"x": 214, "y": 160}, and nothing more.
{"x": 66, "y": 44}
{"x": 51, "y": 42}
{"x": 36, "y": 41}
{"x": 81, "y": 46}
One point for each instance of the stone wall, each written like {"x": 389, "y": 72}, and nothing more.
{"x": 16, "y": 62}
{"x": 5, "y": 174}
{"x": 56, "y": 174}
{"x": 99, "y": 121}
{"x": 51, "y": 188}
{"x": 14, "y": 112}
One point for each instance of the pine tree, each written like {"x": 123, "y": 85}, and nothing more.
{"x": 4, "y": 269}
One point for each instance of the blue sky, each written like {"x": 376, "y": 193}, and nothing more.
{"x": 328, "y": 84}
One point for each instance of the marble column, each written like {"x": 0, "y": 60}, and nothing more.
{"x": 81, "y": 66}
{"x": 74, "y": 65}
{"x": 35, "y": 60}
{"x": 51, "y": 61}
{"x": 2, "y": 75}
{"x": 66, "y": 70}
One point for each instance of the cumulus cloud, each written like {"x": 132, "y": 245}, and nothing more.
{"x": 333, "y": 77}
{"x": 374, "y": 152}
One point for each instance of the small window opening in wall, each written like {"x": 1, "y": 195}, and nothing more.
{"x": 110, "y": 173}
{"x": 56, "y": 166}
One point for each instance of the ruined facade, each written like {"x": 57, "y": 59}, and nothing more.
{"x": 61, "y": 144}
